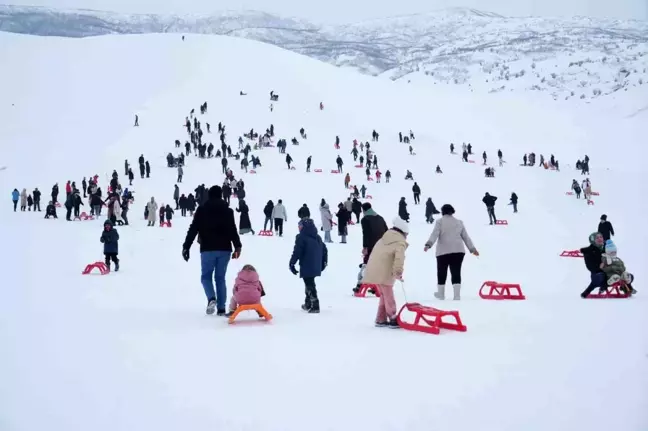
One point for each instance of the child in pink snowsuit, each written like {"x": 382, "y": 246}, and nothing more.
{"x": 247, "y": 288}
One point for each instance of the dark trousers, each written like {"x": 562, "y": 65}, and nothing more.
{"x": 227, "y": 199}
{"x": 357, "y": 217}
{"x": 177, "y": 204}
{"x": 15, "y": 205}
{"x": 278, "y": 225}
{"x": 183, "y": 212}
{"x": 109, "y": 257}
{"x": 597, "y": 279}
{"x": 515, "y": 207}
{"x": 452, "y": 261}
{"x": 265, "y": 223}
{"x": 311, "y": 293}
{"x": 124, "y": 216}
{"x": 491, "y": 214}
{"x": 417, "y": 198}
{"x": 68, "y": 214}
{"x": 37, "y": 206}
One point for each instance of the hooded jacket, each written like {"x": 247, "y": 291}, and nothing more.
{"x": 592, "y": 254}
{"x": 279, "y": 211}
{"x": 309, "y": 250}
{"x": 450, "y": 235}
{"x": 387, "y": 259}
{"x": 215, "y": 224}
{"x": 247, "y": 288}
{"x": 110, "y": 238}
{"x": 327, "y": 218}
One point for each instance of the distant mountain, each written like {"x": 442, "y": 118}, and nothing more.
{"x": 579, "y": 57}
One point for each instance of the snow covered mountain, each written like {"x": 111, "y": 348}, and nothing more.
{"x": 133, "y": 350}
{"x": 566, "y": 58}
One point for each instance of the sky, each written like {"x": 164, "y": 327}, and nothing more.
{"x": 344, "y": 11}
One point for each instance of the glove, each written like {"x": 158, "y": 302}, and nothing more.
{"x": 475, "y": 253}
{"x": 185, "y": 254}
{"x": 236, "y": 254}
{"x": 293, "y": 270}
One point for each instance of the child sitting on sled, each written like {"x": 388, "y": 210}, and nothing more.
{"x": 248, "y": 289}
{"x": 615, "y": 269}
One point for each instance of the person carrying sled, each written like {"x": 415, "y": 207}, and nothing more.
{"x": 110, "y": 239}
{"x": 384, "y": 267}
{"x": 312, "y": 255}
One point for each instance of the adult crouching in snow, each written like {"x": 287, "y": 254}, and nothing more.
{"x": 593, "y": 255}
{"x": 450, "y": 235}
{"x": 384, "y": 267}
{"x": 215, "y": 225}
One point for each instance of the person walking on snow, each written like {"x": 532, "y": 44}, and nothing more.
{"x": 312, "y": 255}
{"x": 15, "y": 195}
{"x": 430, "y": 211}
{"x": 605, "y": 228}
{"x": 176, "y": 196}
{"x": 450, "y": 235}
{"x": 514, "y": 201}
{"x": 23, "y": 200}
{"x": 347, "y": 180}
{"x": 402, "y": 210}
{"x": 417, "y": 193}
{"x": 386, "y": 265}
{"x": 215, "y": 227}
{"x": 489, "y": 201}
{"x": 343, "y": 219}
{"x": 280, "y": 216}
{"x": 267, "y": 212}
{"x": 110, "y": 240}
{"x": 152, "y": 208}
{"x": 245, "y": 225}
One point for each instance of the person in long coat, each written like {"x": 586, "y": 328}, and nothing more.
{"x": 430, "y": 211}
{"x": 152, "y": 207}
{"x": 245, "y": 226}
{"x": 327, "y": 221}
{"x": 402, "y": 210}
{"x": 343, "y": 219}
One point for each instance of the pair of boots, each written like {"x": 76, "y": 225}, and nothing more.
{"x": 440, "y": 293}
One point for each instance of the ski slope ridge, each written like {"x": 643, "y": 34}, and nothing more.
{"x": 133, "y": 350}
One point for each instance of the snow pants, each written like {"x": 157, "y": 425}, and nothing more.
{"x": 597, "y": 280}
{"x": 452, "y": 261}
{"x": 213, "y": 269}
{"x": 387, "y": 304}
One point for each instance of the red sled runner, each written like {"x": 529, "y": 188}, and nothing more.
{"x": 571, "y": 253}
{"x": 500, "y": 291}
{"x": 266, "y": 233}
{"x": 103, "y": 269}
{"x": 317, "y": 171}
{"x": 613, "y": 291}
{"x": 365, "y": 289}
{"x": 501, "y": 222}
{"x": 165, "y": 223}
{"x": 429, "y": 326}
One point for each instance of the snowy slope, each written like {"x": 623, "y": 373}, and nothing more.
{"x": 580, "y": 57}
{"x": 133, "y": 350}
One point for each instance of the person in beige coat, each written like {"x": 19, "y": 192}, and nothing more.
{"x": 384, "y": 267}
{"x": 450, "y": 235}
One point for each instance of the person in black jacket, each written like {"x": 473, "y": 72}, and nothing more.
{"x": 216, "y": 229}
{"x": 343, "y": 219}
{"x": 489, "y": 201}
{"x": 267, "y": 211}
{"x": 37, "y": 197}
{"x": 303, "y": 212}
{"x": 402, "y": 210}
{"x": 514, "y": 201}
{"x": 356, "y": 208}
{"x": 592, "y": 255}
{"x": 430, "y": 210}
{"x": 373, "y": 228}
{"x": 417, "y": 194}
{"x": 605, "y": 228}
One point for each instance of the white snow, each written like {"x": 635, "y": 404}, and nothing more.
{"x": 134, "y": 351}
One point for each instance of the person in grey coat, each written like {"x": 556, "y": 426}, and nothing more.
{"x": 450, "y": 235}
{"x": 180, "y": 174}
{"x": 327, "y": 221}
{"x": 348, "y": 205}
{"x": 176, "y": 196}
{"x": 280, "y": 216}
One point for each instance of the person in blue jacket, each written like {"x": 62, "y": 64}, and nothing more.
{"x": 110, "y": 240}
{"x": 14, "y": 197}
{"x": 312, "y": 255}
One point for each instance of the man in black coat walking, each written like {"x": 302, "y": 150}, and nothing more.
{"x": 216, "y": 229}
{"x": 303, "y": 212}
{"x": 605, "y": 228}
{"x": 373, "y": 228}
{"x": 489, "y": 201}
{"x": 417, "y": 193}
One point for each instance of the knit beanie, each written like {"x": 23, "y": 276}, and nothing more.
{"x": 401, "y": 225}
{"x": 610, "y": 247}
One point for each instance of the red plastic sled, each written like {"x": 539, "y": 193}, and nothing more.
{"x": 165, "y": 223}
{"x": 502, "y": 222}
{"x": 431, "y": 326}
{"x": 359, "y": 166}
{"x": 84, "y": 216}
{"x": 364, "y": 290}
{"x": 317, "y": 170}
{"x": 569, "y": 193}
{"x": 571, "y": 253}
{"x": 103, "y": 269}
{"x": 471, "y": 161}
{"x": 292, "y": 168}
{"x": 251, "y": 171}
{"x": 335, "y": 171}
{"x": 613, "y": 291}
{"x": 266, "y": 233}
{"x": 590, "y": 202}
{"x": 595, "y": 193}
{"x": 369, "y": 197}
{"x": 351, "y": 222}
{"x": 369, "y": 179}
{"x": 501, "y": 291}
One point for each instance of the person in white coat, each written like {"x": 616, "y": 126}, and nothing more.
{"x": 152, "y": 212}
{"x": 327, "y": 221}
{"x": 23, "y": 200}
{"x": 280, "y": 216}
{"x": 117, "y": 211}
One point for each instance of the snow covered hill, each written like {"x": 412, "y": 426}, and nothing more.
{"x": 580, "y": 58}
{"x": 133, "y": 350}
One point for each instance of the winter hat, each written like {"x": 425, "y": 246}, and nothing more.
{"x": 401, "y": 225}
{"x": 215, "y": 192}
{"x": 108, "y": 222}
{"x": 592, "y": 239}
{"x": 604, "y": 217}
{"x": 447, "y": 209}
{"x": 610, "y": 247}
{"x": 366, "y": 206}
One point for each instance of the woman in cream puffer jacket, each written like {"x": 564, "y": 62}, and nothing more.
{"x": 384, "y": 267}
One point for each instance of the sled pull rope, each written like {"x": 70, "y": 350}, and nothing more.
{"x": 402, "y": 283}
